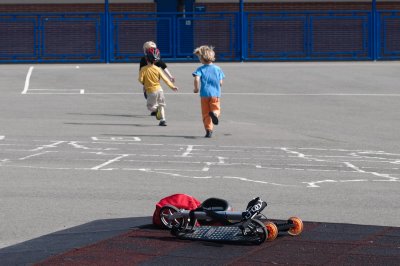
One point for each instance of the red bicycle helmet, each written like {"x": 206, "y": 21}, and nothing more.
{"x": 152, "y": 55}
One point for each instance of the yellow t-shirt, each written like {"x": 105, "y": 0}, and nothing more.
{"x": 150, "y": 76}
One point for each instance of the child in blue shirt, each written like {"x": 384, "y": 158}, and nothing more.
{"x": 208, "y": 79}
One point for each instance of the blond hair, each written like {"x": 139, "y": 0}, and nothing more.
{"x": 148, "y": 45}
{"x": 205, "y": 52}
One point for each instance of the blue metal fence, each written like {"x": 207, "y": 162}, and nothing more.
{"x": 308, "y": 36}
{"x": 249, "y": 36}
{"x": 52, "y": 37}
{"x": 388, "y": 39}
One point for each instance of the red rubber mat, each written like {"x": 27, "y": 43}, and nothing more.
{"x": 319, "y": 244}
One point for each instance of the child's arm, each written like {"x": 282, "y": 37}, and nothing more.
{"x": 163, "y": 66}
{"x": 168, "y": 81}
{"x": 141, "y": 77}
{"x": 196, "y": 84}
{"x": 171, "y": 78}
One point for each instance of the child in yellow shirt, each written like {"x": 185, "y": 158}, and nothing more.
{"x": 150, "y": 77}
{"x": 143, "y": 62}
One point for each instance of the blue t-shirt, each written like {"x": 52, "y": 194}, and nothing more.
{"x": 210, "y": 77}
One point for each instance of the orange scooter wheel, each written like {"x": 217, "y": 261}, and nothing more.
{"x": 298, "y": 226}
{"x": 272, "y": 230}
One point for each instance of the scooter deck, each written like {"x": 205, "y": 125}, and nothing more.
{"x": 216, "y": 234}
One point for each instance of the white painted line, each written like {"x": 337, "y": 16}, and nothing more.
{"x": 315, "y": 183}
{"x": 2, "y": 137}
{"x": 359, "y": 170}
{"x": 56, "y": 93}
{"x": 33, "y": 155}
{"x": 116, "y": 159}
{"x": 188, "y": 151}
{"x": 54, "y": 145}
{"x": 50, "y": 90}
{"x": 206, "y": 168}
{"x": 117, "y": 139}
{"x": 27, "y": 80}
{"x": 221, "y": 160}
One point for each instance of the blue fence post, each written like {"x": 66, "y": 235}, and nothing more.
{"x": 107, "y": 31}
{"x": 242, "y": 31}
{"x": 374, "y": 31}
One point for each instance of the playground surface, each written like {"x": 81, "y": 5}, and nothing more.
{"x": 82, "y": 164}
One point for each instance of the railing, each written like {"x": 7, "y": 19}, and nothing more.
{"x": 237, "y": 36}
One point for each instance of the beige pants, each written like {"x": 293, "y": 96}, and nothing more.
{"x": 156, "y": 100}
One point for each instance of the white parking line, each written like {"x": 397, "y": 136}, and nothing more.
{"x": 27, "y": 80}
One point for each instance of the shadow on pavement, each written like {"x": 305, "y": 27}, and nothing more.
{"x": 133, "y": 241}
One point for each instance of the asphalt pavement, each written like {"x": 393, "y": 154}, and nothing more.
{"x": 83, "y": 163}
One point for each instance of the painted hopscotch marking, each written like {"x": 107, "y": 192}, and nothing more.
{"x": 116, "y": 139}
{"x": 314, "y": 167}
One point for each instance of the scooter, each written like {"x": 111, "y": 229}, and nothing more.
{"x": 214, "y": 220}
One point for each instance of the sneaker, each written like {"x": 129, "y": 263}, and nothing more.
{"x": 208, "y": 134}
{"x": 153, "y": 113}
{"x": 163, "y": 123}
{"x": 214, "y": 118}
{"x": 158, "y": 113}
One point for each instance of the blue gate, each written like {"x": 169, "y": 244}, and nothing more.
{"x": 176, "y": 34}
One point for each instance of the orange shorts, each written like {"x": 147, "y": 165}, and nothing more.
{"x": 209, "y": 104}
